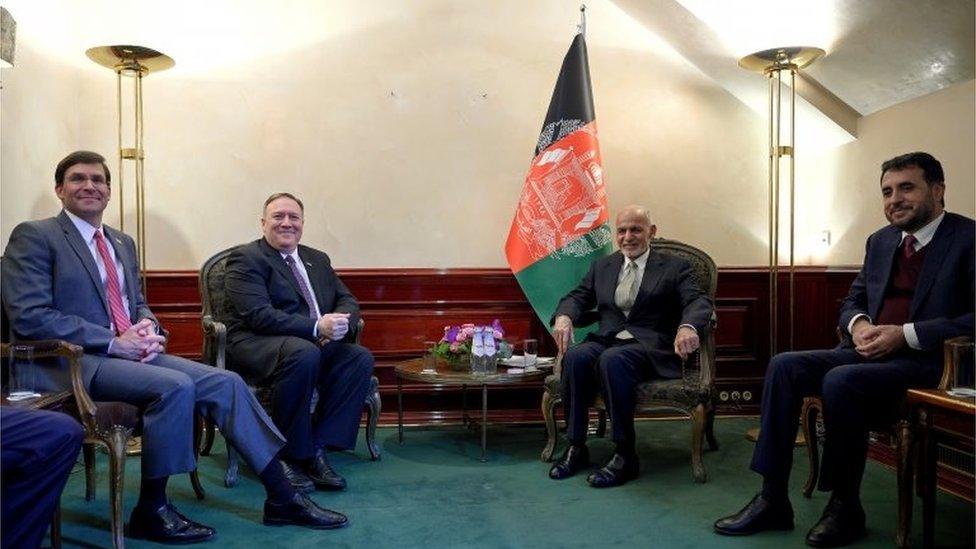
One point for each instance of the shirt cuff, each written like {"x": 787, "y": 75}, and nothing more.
{"x": 910, "y": 336}
{"x": 688, "y": 326}
{"x": 108, "y": 350}
{"x": 315, "y": 330}
{"x": 850, "y": 325}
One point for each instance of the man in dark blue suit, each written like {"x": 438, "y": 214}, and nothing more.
{"x": 289, "y": 319}
{"x": 650, "y": 314}
{"x": 70, "y": 277}
{"x": 914, "y": 290}
{"x": 37, "y": 450}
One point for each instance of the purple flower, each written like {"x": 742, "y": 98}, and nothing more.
{"x": 451, "y": 335}
{"x": 496, "y": 326}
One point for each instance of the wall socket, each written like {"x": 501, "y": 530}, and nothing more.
{"x": 825, "y": 238}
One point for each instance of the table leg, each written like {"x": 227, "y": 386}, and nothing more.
{"x": 929, "y": 481}
{"x": 484, "y": 423}
{"x": 400, "y": 409}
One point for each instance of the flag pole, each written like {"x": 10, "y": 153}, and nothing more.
{"x": 581, "y": 28}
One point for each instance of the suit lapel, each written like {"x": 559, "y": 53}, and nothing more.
{"x": 129, "y": 271}
{"x": 653, "y": 272}
{"x": 611, "y": 274}
{"x": 935, "y": 253}
{"x": 274, "y": 257}
{"x": 876, "y": 291}
{"x": 80, "y": 247}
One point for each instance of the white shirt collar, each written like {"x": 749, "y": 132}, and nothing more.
{"x": 85, "y": 228}
{"x": 641, "y": 260}
{"x": 924, "y": 235}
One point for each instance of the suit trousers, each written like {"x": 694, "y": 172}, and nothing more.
{"x": 39, "y": 449}
{"x": 856, "y": 393}
{"x": 170, "y": 390}
{"x": 341, "y": 372}
{"x": 609, "y": 368}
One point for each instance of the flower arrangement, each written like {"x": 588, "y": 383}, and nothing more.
{"x": 455, "y": 347}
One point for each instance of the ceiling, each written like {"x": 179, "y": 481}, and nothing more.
{"x": 879, "y": 52}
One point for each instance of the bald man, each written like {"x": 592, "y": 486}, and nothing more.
{"x": 650, "y": 313}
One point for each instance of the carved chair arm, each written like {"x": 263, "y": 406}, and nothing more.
{"x": 57, "y": 348}
{"x": 214, "y": 342}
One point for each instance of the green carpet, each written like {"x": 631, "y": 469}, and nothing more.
{"x": 434, "y": 492}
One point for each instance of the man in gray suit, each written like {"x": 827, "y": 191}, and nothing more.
{"x": 650, "y": 313}
{"x": 70, "y": 277}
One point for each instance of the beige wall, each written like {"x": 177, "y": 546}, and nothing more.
{"x": 408, "y": 135}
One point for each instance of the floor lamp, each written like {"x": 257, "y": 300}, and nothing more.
{"x": 135, "y": 62}
{"x": 780, "y": 66}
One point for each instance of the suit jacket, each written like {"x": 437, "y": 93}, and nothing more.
{"x": 943, "y": 304}
{"x": 668, "y": 297}
{"x": 52, "y": 289}
{"x": 264, "y": 300}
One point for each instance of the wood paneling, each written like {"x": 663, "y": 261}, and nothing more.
{"x": 405, "y": 307}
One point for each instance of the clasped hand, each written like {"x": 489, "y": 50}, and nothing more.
{"x": 140, "y": 342}
{"x": 872, "y": 341}
{"x": 332, "y": 327}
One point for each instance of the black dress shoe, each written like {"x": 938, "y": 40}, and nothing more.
{"x": 298, "y": 480}
{"x": 617, "y": 471}
{"x": 302, "y": 511}
{"x": 574, "y": 459}
{"x": 323, "y": 475}
{"x": 758, "y": 515}
{"x": 841, "y": 524}
{"x": 166, "y": 525}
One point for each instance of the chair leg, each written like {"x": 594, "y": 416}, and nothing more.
{"x": 198, "y": 427}
{"x": 373, "y": 407}
{"x": 710, "y": 428}
{"x": 548, "y": 414}
{"x": 88, "y": 451}
{"x": 697, "y": 435}
{"x": 209, "y": 431}
{"x": 601, "y": 423}
{"x": 808, "y": 421}
{"x": 904, "y": 443}
{"x": 116, "y": 441}
{"x": 233, "y": 467}
{"x": 56, "y": 527}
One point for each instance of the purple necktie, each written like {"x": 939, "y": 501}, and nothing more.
{"x": 908, "y": 246}
{"x": 301, "y": 285}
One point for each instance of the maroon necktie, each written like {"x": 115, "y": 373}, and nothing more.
{"x": 908, "y": 246}
{"x": 301, "y": 285}
{"x": 112, "y": 289}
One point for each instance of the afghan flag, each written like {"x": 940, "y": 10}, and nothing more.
{"x": 561, "y": 225}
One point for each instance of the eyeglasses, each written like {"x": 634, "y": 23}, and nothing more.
{"x": 80, "y": 178}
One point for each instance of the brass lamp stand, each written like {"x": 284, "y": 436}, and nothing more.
{"x": 776, "y": 64}
{"x": 135, "y": 62}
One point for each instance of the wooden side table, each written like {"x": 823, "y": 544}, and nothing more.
{"x": 939, "y": 418}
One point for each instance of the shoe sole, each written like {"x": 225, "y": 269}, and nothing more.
{"x": 851, "y": 540}
{"x": 740, "y": 534}
{"x": 284, "y": 522}
{"x": 132, "y": 535}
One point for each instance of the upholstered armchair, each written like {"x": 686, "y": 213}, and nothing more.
{"x": 693, "y": 394}
{"x": 214, "y": 298}
{"x": 898, "y": 431}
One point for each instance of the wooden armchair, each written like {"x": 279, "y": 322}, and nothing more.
{"x": 215, "y": 308}
{"x": 693, "y": 394}
{"x": 110, "y": 424}
{"x": 899, "y": 433}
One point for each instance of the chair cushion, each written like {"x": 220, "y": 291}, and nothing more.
{"x": 112, "y": 413}
{"x": 674, "y": 390}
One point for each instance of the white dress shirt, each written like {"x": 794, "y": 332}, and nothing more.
{"x": 922, "y": 237}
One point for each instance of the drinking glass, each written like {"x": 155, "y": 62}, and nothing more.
{"x": 21, "y": 383}
{"x": 963, "y": 375}
{"x": 530, "y": 348}
{"x": 430, "y": 359}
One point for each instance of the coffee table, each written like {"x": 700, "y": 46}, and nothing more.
{"x": 445, "y": 376}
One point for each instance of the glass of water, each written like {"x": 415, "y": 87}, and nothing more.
{"x": 530, "y": 348}
{"x": 430, "y": 359}
{"x": 963, "y": 375}
{"x": 21, "y": 382}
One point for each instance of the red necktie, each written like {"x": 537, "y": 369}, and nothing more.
{"x": 908, "y": 246}
{"x": 119, "y": 316}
